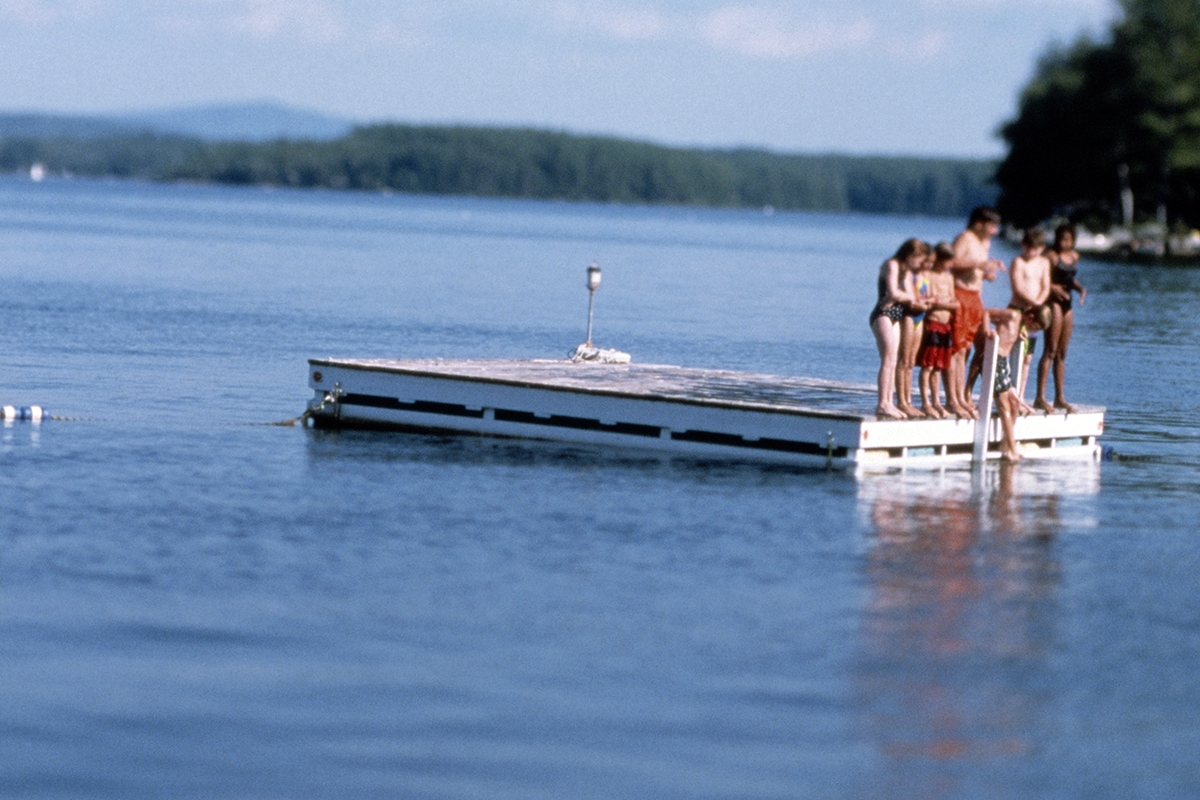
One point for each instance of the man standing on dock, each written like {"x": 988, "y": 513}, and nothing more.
{"x": 972, "y": 265}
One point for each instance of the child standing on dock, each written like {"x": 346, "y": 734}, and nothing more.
{"x": 912, "y": 329}
{"x": 895, "y": 289}
{"x": 1064, "y": 262}
{"x": 1029, "y": 275}
{"x": 937, "y": 343}
{"x": 1008, "y": 322}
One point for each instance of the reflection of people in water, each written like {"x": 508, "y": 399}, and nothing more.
{"x": 962, "y": 584}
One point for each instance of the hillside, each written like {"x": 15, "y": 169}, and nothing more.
{"x": 499, "y": 162}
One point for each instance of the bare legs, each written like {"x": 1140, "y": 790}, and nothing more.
{"x": 1026, "y": 363}
{"x": 956, "y": 395}
{"x": 1009, "y": 408}
{"x": 1054, "y": 354}
{"x": 976, "y": 365}
{"x": 1060, "y": 363}
{"x": 930, "y": 391}
{"x": 887, "y": 339}
{"x": 910, "y": 342}
{"x": 1049, "y": 356}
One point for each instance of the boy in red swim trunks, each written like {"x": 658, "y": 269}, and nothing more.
{"x": 937, "y": 343}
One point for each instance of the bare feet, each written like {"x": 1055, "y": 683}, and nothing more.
{"x": 934, "y": 411}
{"x": 1011, "y": 456}
{"x": 888, "y": 412}
{"x": 960, "y": 412}
{"x": 1063, "y": 405}
{"x": 1041, "y": 405}
{"x": 912, "y": 412}
{"x": 1025, "y": 409}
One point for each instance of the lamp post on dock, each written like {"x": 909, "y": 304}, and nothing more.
{"x": 593, "y": 283}
{"x": 588, "y": 351}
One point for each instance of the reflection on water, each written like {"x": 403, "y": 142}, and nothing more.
{"x": 959, "y": 622}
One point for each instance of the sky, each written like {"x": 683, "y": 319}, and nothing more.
{"x": 889, "y": 77}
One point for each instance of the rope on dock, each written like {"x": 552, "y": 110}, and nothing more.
{"x": 37, "y": 414}
{"x": 1107, "y": 453}
{"x": 287, "y": 423}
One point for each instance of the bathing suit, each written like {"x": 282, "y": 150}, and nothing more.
{"x": 937, "y": 345}
{"x": 1064, "y": 276}
{"x": 1004, "y": 380}
{"x": 894, "y": 312}
{"x": 1030, "y": 338}
{"x": 923, "y": 289}
{"x": 968, "y": 319}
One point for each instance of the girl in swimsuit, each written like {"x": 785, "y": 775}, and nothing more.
{"x": 911, "y": 330}
{"x": 896, "y": 294}
{"x": 1064, "y": 262}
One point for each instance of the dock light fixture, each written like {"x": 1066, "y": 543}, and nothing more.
{"x": 593, "y": 283}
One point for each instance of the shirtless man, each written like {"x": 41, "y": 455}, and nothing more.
{"x": 972, "y": 265}
{"x": 1008, "y": 323}
{"x": 1029, "y": 275}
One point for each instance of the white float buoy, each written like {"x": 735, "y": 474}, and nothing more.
{"x": 28, "y": 413}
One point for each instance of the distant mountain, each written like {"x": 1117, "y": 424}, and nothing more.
{"x": 246, "y": 122}
{"x": 38, "y": 126}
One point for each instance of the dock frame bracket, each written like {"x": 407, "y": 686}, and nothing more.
{"x": 987, "y": 399}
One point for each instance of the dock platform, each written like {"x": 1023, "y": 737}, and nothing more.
{"x": 708, "y": 414}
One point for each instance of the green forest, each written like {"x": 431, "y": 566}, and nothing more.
{"x": 522, "y": 163}
{"x": 1111, "y": 126}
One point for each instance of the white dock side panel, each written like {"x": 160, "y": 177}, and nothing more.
{"x": 706, "y": 413}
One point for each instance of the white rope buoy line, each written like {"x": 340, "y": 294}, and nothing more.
{"x": 34, "y": 414}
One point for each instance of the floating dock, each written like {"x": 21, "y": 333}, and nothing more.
{"x": 701, "y": 413}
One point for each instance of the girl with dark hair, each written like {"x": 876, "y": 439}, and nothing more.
{"x": 1064, "y": 263}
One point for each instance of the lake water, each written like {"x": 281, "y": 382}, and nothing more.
{"x": 196, "y": 605}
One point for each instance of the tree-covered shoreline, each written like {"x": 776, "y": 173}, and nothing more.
{"x": 523, "y": 163}
{"x": 1108, "y": 130}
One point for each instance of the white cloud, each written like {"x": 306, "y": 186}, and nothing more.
{"x": 386, "y": 33}
{"x": 310, "y": 21}
{"x": 47, "y": 12}
{"x": 925, "y": 47}
{"x": 620, "y": 22}
{"x": 770, "y": 33}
